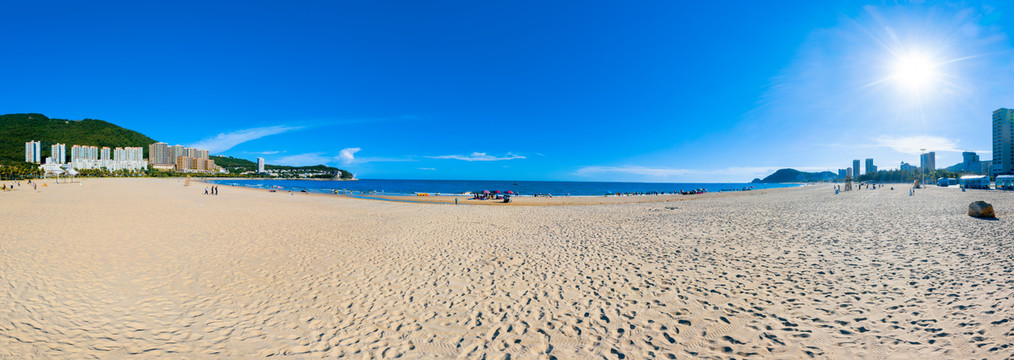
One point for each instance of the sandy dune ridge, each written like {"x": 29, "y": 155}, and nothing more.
{"x": 148, "y": 268}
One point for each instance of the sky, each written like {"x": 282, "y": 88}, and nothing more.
{"x": 650, "y": 91}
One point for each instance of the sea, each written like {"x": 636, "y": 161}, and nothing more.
{"x": 462, "y": 187}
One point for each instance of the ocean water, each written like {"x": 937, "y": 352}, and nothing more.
{"x": 453, "y": 187}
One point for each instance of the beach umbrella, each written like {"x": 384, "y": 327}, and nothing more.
{"x": 498, "y": 191}
{"x": 510, "y": 192}
{"x": 485, "y": 191}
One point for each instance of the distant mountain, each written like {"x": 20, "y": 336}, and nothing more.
{"x": 16, "y": 129}
{"x": 793, "y": 175}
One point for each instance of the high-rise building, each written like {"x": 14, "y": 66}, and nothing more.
{"x": 870, "y": 168}
{"x": 1003, "y": 142}
{"x": 842, "y": 173}
{"x": 58, "y": 152}
{"x": 928, "y": 162}
{"x": 855, "y": 168}
{"x": 260, "y": 165}
{"x": 176, "y": 151}
{"x": 848, "y": 173}
{"x": 33, "y": 152}
{"x": 908, "y": 167}
{"x": 970, "y": 163}
{"x": 104, "y": 154}
{"x": 158, "y": 154}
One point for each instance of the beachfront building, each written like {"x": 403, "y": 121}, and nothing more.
{"x": 33, "y": 152}
{"x": 58, "y": 152}
{"x": 158, "y": 154}
{"x": 870, "y": 168}
{"x": 928, "y": 162}
{"x": 180, "y": 158}
{"x": 848, "y": 173}
{"x": 91, "y": 157}
{"x": 842, "y": 173}
{"x": 907, "y": 167}
{"x": 260, "y": 165}
{"x": 84, "y": 157}
{"x": 1003, "y": 141}
{"x": 855, "y": 169}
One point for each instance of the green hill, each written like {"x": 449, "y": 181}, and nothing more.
{"x": 16, "y": 129}
{"x": 793, "y": 175}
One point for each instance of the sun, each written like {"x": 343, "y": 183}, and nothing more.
{"x": 915, "y": 72}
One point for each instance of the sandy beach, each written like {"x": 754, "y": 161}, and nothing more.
{"x": 148, "y": 268}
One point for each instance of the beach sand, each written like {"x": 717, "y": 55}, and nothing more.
{"x": 117, "y": 267}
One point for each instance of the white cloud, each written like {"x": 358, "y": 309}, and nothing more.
{"x": 428, "y": 169}
{"x": 912, "y": 145}
{"x": 304, "y": 159}
{"x": 226, "y": 141}
{"x": 347, "y": 155}
{"x": 479, "y": 156}
{"x": 270, "y": 152}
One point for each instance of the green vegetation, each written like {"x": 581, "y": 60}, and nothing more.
{"x": 18, "y": 171}
{"x": 16, "y": 129}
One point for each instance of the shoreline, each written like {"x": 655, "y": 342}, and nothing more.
{"x": 522, "y": 200}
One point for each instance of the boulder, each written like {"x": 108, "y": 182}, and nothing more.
{"x": 981, "y": 209}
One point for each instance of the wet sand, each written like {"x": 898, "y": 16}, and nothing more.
{"x": 146, "y": 267}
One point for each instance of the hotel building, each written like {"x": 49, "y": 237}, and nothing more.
{"x": 1003, "y": 142}
{"x": 260, "y": 165}
{"x": 855, "y": 168}
{"x": 870, "y": 168}
{"x": 33, "y": 152}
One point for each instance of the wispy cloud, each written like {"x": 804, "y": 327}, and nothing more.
{"x": 270, "y": 152}
{"x": 913, "y": 144}
{"x": 225, "y": 141}
{"x": 427, "y": 169}
{"x": 317, "y": 158}
{"x": 479, "y": 156}
{"x": 346, "y": 156}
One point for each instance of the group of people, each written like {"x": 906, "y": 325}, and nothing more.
{"x": 10, "y": 187}
{"x": 214, "y": 190}
{"x": 489, "y": 196}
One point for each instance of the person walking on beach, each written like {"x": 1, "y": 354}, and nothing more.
{"x": 455, "y": 201}
{"x": 205, "y": 190}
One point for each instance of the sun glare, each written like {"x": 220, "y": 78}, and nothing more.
{"x": 915, "y": 72}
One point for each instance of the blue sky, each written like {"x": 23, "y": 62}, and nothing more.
{"x": 644, "y": 91}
